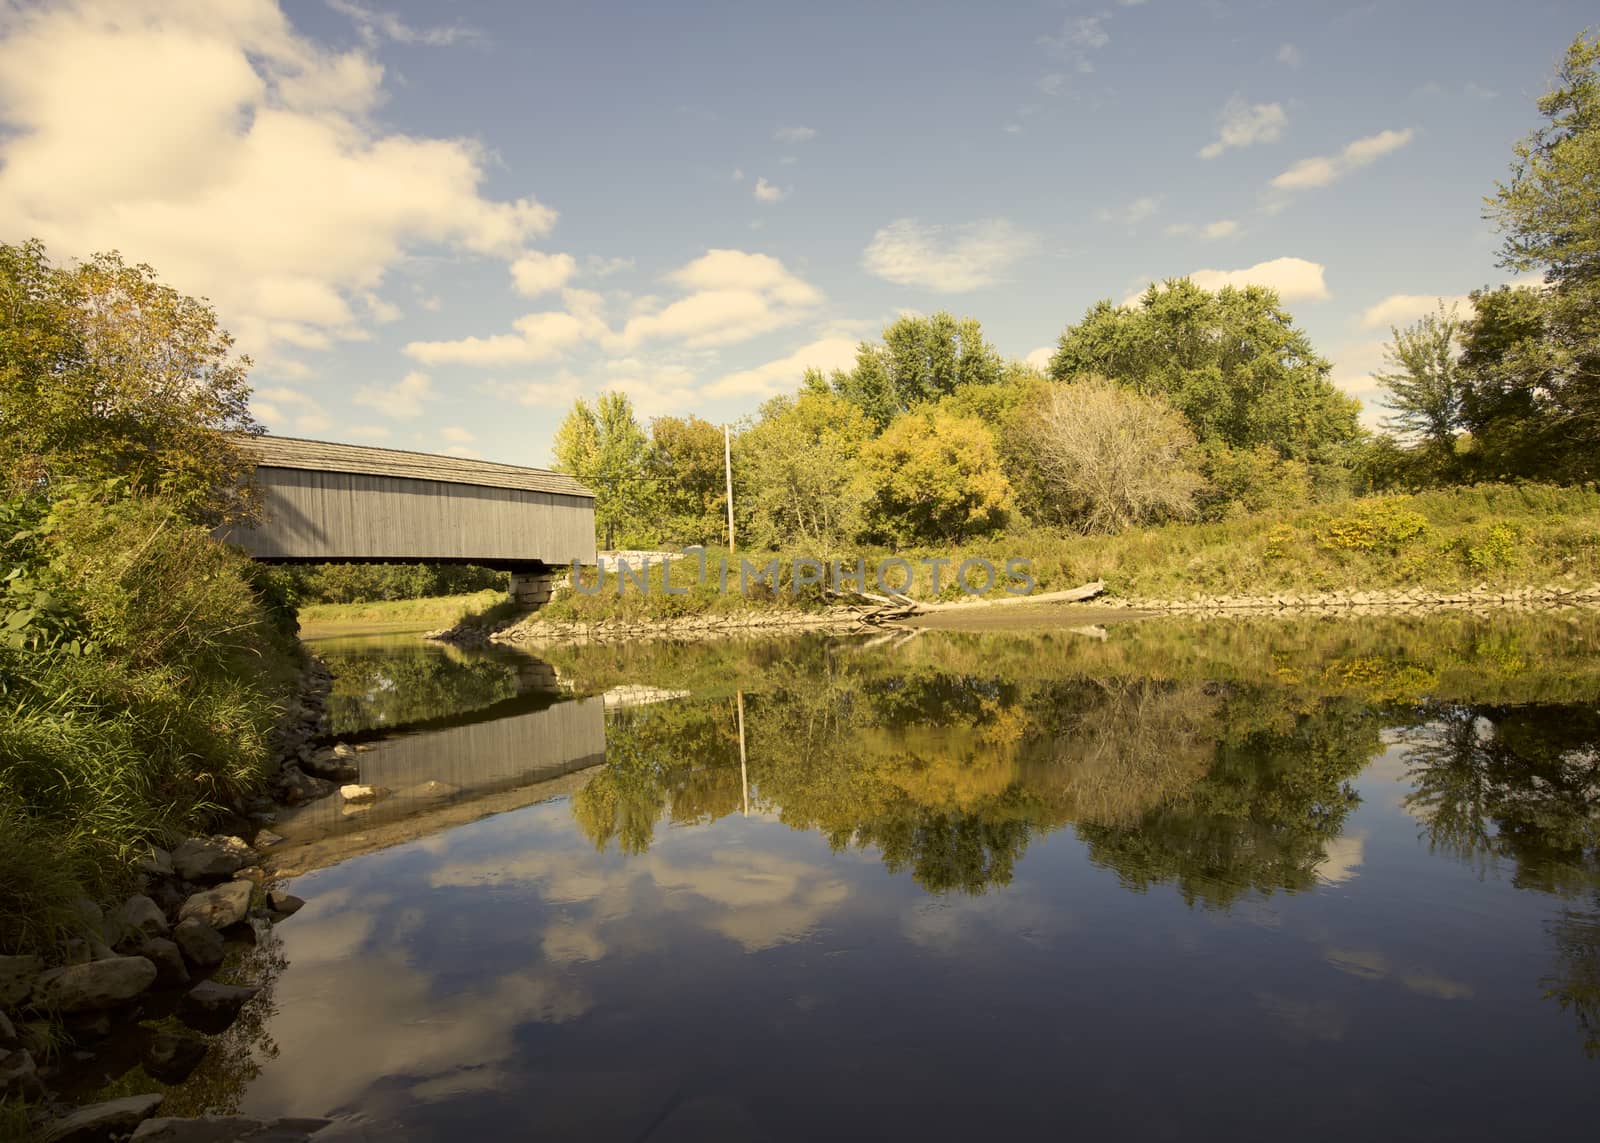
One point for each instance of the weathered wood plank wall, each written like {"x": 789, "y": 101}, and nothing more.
{"x": 312, "y": 515}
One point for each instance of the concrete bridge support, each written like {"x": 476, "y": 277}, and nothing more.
{"x": 531, "y": 589}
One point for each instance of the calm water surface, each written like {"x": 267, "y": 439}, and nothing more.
{"x": 1239, "y": 881}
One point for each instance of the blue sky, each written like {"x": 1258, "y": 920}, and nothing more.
{"x": 434, "y": 225}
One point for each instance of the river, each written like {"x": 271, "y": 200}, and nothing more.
{"x": 1163, "y": 880}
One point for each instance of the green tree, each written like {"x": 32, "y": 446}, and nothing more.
{"x": 1232, "y": 362}
{"x": 920, "y": 359}
{"x": 685, "y": 465}
{"x": 935, "y": 478}
{"x": 604, "y": 447}
{"x": 106, "y": 372}
{"x": 1424, "y": 386}
{"x": 1533, "y": 358}
{"x": 796, "y": 471}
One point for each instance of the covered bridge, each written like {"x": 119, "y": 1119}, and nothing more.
{"x": 339, "y": 503}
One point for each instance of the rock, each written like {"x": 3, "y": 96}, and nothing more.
{"x": 156, "y": 863}
{"x": 266, "y": 838}
{"x": 285, "y": 903}
{"x": 17, "y": 974}
{"x": 102, "y": 1121}
{"x": 201, "y": 944}
{"x": 87, "y": 1027}
{"x": 331, "y": 767}
{"x": 227, "y": 1129}
{"x": 140, "y": 918}
{"x": 343, "y": 750}
{"x": 297, "y": 786}
{"x": 362, "y": 795}
{"x": 94, "y": 921}
{"x": 220, "y": 907}
{"x": 211, "y": 858}
{"x": 172, "y": 1057}
{"x": 8, "y": 1033}
{"x": 211, "y": 1007}
{"x": 167, "y": 958}
{"x": 98, "y": 984}
{"x": 255, "y": 875}
{"x": 19, "y": 1078}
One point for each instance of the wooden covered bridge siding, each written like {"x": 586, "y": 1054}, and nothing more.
{"x": 336, "y": 503}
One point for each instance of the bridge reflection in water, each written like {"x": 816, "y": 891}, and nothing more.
{"x": 437, "y": 773}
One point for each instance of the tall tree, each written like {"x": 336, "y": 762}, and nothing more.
{"x": 1533, "y": 358}
{"x": 1232, "y": 362}
{"x": 1424, "y": 385}
{"x": 685, "y": 468}
{"x": 920, "y": 359}
{"x": 604, "y": 447}
{"x": 105, "y": 371}
{"x": 796, "y": 470}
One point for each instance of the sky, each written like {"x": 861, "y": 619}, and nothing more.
{"x": 434, "y": 225}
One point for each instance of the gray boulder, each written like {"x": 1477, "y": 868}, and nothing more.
{"x": 296, "y": 786}
{"x": 19, "y": 1078}
{"x": 284, "y": 902}
{"x": 17, "y": 974}
{"x": 227, "y": 1129}
{"x": 102, "y": 1121}
{"x": 167, "y": 958}
{"x": 202, "y": 945}
{"x": 98, "y": 984}
{"x": 8, "y": 1033}
{"x": 139, "y": 918}
{"x": 156, "y": 863}
{"x": 211, "y": 1007}
{"x": 211, "y": 858}
{"x": 335, "y": 768}
{"x": 172, "y": 1057}
{"x": 220, "y": 907}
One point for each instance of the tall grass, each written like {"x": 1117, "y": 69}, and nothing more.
{"x": 152, "y": 723}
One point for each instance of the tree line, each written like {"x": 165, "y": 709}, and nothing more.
{"x": 1188, "y": 404}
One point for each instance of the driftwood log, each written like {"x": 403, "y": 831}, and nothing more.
{"x": 876, "y": 609}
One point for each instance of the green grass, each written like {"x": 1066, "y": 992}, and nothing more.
{"x": 320, "y": 619}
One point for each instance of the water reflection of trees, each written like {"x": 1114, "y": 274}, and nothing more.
{"x": 949, "y": 774}
{"x": 1520, "y": 786}
{"x": 395, "y": 683}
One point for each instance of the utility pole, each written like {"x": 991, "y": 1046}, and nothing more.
{"x": 744, "y": 773}
{"x": 727, "y": 469}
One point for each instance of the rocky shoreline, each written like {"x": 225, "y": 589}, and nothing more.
{"x": 533, "y": 630}
{"x": 81, "y": 1018}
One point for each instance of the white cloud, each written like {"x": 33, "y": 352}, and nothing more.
{"x": 1320, "y": 170}
{"x": 535, "y": 272}
{"x": 947, "y": 259}
{"x": 457, "y": 434}
{"x": 1293, "y": 279}
{"x": 538, "y": 337}
{"x": 1245, "y": 125}
{"x": 784, "y": 374}
{"x": 1040, "y": 358}
{"x": 795, "y": 134}
{"x": 233, "y": 154}
{"x": 463, "y": 451}
{"x": 738, "y": 174}
{"x": 289, "y": 411}
{"x": 1403, "y": 309}
{"x": 1289, "y": 55}
{"x": 766, "y": 192}
{"x": 368, "y": 432}
{"x": 1133, "y": 213}
{"x": 402, "y": 399}
{"x": 1210, "y": 231}
{"x": 374, "y": 25}
{"x": 597, "y": 267}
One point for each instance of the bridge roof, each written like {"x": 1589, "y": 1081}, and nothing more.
{"x": 325, "y": 456}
